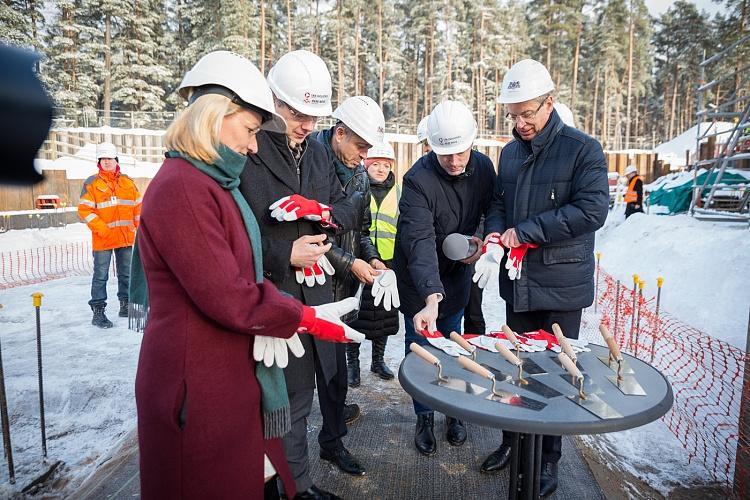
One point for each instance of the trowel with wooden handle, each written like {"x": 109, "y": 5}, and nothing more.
{"x": 625, "y": 377}
{"x": 589, "y": 401}
{"x": 528, "y": 365}
{"x": 529, "y": 384}
{"x": 498, "y": 395}
{"x": 453, "y": 383}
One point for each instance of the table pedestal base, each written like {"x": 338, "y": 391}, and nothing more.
{"x": 525, "y": 466}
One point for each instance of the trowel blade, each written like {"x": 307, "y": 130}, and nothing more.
{"x": 531, "y": 367}
{"x": 460, "y": 385}
{"x": 628, "y": 385}
{"x": 532, "y": 384}
{"x": 625, "y": 370}
{"x": 508, "y": 398}
{"x": 595, "y": 405}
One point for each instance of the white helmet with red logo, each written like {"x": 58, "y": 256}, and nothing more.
{"x": 301, "y": 79}
{"x": 451, "y": 128}
{"x": 364, "y": 117}
{"x": 524, "y": 81}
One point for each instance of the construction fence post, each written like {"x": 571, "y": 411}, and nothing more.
{"x": 742, "y": 461}
{"x": 655, "y": 332}
{"x": 38, "y": 305}
{"x": 7, "y": 447}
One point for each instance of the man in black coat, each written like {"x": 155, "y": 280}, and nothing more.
{"x": 287, "y": 165}
{"x": 446, "y": 191}
{"x": 551, "y": 191}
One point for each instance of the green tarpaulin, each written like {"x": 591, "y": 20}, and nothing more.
{"x": 677, "y": 197}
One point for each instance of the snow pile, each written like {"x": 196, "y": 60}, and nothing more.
{"x": 673, "y": 151}
{"x": 83, "y": 164}
{"x": 35, "y": 238}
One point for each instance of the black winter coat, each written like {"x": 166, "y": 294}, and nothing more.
{"x": 353, "y": 242}
{"x": 375, "y": 322}
{"x": 554, "y": 191}
{"x": 433, "y": 205}
{"x": 271, "y": 174}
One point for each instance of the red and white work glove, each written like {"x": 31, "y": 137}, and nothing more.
{"x": 487, "y": 267}
{"x": 290, "y": 208}
{"x": 324, "y": 321}
{"x": 315, "y": 274}
{"x": 272, "y": 350}
{"x": 515, "y": 259}
{"x": 436, "y": 339}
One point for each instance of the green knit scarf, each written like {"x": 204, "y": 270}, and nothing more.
{"x": 226, "y": 172}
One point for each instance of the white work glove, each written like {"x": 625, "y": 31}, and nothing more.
{"x": 272, "y": 350}
{"x": 436, "y": 339}
{"x": 384, "y": 290}
{"x": 324, "y": 321}
{"x": 487, "y": 267}
{"x": 315, "y": 274}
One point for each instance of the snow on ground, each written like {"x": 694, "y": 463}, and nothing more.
{"x": 89, "y": 373}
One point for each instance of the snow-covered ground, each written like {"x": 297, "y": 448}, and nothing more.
{"x": 89, "y": 373}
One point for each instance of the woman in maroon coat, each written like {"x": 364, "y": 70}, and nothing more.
{"x": 209, "y": 417}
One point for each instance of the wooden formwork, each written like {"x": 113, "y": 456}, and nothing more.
{"x": 648, "y": 165}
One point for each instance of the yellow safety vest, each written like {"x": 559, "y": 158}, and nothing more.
{"x": 384, "y": 220}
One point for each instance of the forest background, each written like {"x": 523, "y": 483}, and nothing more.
{"x": 629, "y": 77}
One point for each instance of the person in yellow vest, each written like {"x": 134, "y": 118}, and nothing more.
{"x": 634, "y": 195}
{"x": 374, "y": 321}
{"x": 110, "y": 205}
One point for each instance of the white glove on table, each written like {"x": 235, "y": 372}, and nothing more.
{"x": 384, "y": 290}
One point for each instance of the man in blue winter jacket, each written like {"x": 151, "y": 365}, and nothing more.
{"x": 446, "y": 191}
{"x": 550, "y": 196}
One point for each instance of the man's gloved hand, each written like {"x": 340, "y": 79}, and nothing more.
{"x": 272, "y": 350}
{"x": 384, "y": 290}
{"x": 515, "y": 259}
{"x": 315, "y": 274}
{"x": 295, "y": 207}
{"x": 487, "y": 267}
{"x": 324, "y": 321}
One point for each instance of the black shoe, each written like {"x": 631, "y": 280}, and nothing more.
{"x": 315, "y": 493}
{"x": 351, "y": 413}
{"x": 497, "y": 460}
{"x": 548, "y": 479}
{"x": 344, "y": 460}
{"x": 424, "y": 435}
{"x": 123, "y": 312}
{"x": 100, "y": 319}
{"x": 352, "y": 365}
{"x": 378, "y": 366}
{"x": 456, "y": 434}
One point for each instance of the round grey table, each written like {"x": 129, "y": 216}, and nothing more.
{"x": 561, "y": 415}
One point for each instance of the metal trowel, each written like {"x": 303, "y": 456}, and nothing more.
{"x": 529, "y": 384}
{"x": 590, "y": 402}
{"x": 625, "y": 378}
{"x": 471, "y": 349}
{"x": 498, "y": 395}
{"x": 529, "y": 366}
{"x": 565, "y": 346}
{"x": 453, "y": 383}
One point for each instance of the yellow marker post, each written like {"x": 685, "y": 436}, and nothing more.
{"x": 659, "y": 284}
{"x": 632, "y": 321}
{"x": 37, "y": 300}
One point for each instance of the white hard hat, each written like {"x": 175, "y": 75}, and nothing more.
{"x": 226, "y": 73}
{"x": 566, "y": 115}
{"x": 630, "y": 169}
{"x": 105, "y": 150}
{"x": 451, "y": 128}
{"x": 384, "y": 150}
{"x": 301, "y": 79}
{"x": 422, "y": 130}
{"x": 364, "y": 117}
{"x": 525, "y": 80}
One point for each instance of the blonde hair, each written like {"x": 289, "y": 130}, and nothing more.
{"x": 195, "y": 131}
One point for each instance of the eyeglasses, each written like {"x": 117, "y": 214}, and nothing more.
{"x": 297, "y": 116}
{"x": 526, "y": 115}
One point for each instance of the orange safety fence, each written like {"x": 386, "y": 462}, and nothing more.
{"x": 706, "y": 373}
{"x": 35, "y": 265}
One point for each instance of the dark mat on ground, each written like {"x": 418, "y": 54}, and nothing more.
{"x": 382, "y": 439}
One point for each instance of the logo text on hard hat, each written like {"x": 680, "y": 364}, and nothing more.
{"x": 307, "y": 98}
{"x": 514, "y": 85}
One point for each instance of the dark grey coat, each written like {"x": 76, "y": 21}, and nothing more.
{"x": 272, "y": 174}
{"x": 554, "y": 191}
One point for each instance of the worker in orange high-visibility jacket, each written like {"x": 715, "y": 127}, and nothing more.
{"x": 634, "y": 195}
{"x": 110, "y": 205}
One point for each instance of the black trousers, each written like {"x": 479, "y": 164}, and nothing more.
{"x": 332, "y": 397}
{"x": 570, "y": 324}
{"x": 473, "y": 316}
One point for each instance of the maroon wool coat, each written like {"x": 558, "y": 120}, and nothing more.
{"x": 199, "y": 403}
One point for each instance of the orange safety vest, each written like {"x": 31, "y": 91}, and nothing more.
{"x": 631, "y": 196}
{"x": 110, "y": 205}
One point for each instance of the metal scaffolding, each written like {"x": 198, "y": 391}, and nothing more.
{"x": 714, "y": 198}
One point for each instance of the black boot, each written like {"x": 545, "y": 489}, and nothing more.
{"x": 100, "y": 319}
{"x": 378, "y": 366}
{"x": 498, "y": 459}
{"x": 352, "y": 364}
{"x": 456, "y": 433}
{"x": 123, "y": 313}
{"x": 424, "y": 436}
{"x": 548, "y": 479}
{"x": 351, "y": 413}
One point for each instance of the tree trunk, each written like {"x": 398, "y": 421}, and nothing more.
{"x": 630, "y": 75}
{"x": 262, "y": 55}
{"x": 289, "y": 22}
{"x": 381, "y": 68}
{"x": 339, "y": 53}
{"x": 670, "y": 134}
{"x": 596, "y": 102}
{"x": 357, "y": 38}
{"x": 605, "y": 108}
{"x": 576, "y": 57}
{"x": 107, "y": 67}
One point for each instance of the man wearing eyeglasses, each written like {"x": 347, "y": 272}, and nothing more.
{"x": 551, "y": 192}
{"x": 298, "y": 201}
